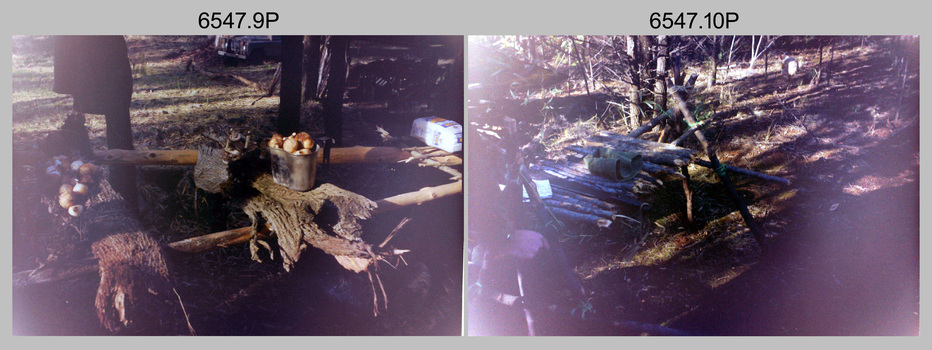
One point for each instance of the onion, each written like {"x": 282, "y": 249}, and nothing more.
{"x": 75, "y": 210}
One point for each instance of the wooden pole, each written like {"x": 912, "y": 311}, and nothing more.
{"x": 744, "y": 172}
{"x": 689, "y": 197}
{"x": 720, "y": 171}
{"x": 418, "y": 197}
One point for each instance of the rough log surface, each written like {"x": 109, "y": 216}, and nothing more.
{"x": 212, "y": 173}
{"x": 326, "y": 218}
{"x": 135, "y": 292}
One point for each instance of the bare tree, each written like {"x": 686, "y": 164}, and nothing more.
{"x": 756, "y": 50}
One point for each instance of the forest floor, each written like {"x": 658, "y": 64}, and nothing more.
{"x": 841, "y": 253}
{"x": 224, "y": 292}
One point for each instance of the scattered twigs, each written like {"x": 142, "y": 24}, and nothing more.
{"x": 185, "y": 312}
{"x": 394, "y": 231}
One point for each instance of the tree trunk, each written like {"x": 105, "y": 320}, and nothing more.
{"x": 634, "y": 95}
{"x": 289, "y": 110}
{"x": 660, "y": 84}
{"x": 714, "y": 59}
{"x": 336, "y": 87}
{"x": 311, "y": 67}
{"x": 324, "y": 70}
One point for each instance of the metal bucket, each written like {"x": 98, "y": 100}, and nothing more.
{"x": 296, "y": 172}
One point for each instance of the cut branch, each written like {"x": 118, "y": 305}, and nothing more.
{"x": 418, "y": 197}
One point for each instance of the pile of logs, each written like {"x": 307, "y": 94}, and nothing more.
{"x": 580, "y": 196}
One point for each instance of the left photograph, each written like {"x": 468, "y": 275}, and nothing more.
{"x": 237, "y": 185}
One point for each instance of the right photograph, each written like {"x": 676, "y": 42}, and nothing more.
{"x": 662, "y": 185}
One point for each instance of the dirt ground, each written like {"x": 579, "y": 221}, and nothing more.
{"x": 224, "y": 292}
{"x": 841, "y": 253}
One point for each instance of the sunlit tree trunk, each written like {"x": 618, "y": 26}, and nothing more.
{"x": 634, "y": 95}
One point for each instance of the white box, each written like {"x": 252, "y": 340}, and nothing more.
{"x": 438, "y": 132}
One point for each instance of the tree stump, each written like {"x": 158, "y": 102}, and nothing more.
{"x": 326, "y": 217}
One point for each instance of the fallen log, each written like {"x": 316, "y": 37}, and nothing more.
{"x": 673, "y": 160}
{"x": 624, "y": 193}
{"x": 579, "y": 208}
{"x": 135, "y": 283}
{"x": 643, "y": 147}
{"x": 579, "y": 173}
{"x": 572, "y": 216}
{"x": 625, "y": 197}
{"x": 341, "y": 155}
{"x": 568, "y": 197}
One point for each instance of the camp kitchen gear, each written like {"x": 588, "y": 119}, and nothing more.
{"x": 295, "y": 171}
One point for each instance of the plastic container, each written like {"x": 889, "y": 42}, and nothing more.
{"x": 295, "y": 171}
{"x": 438, "y": 132}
